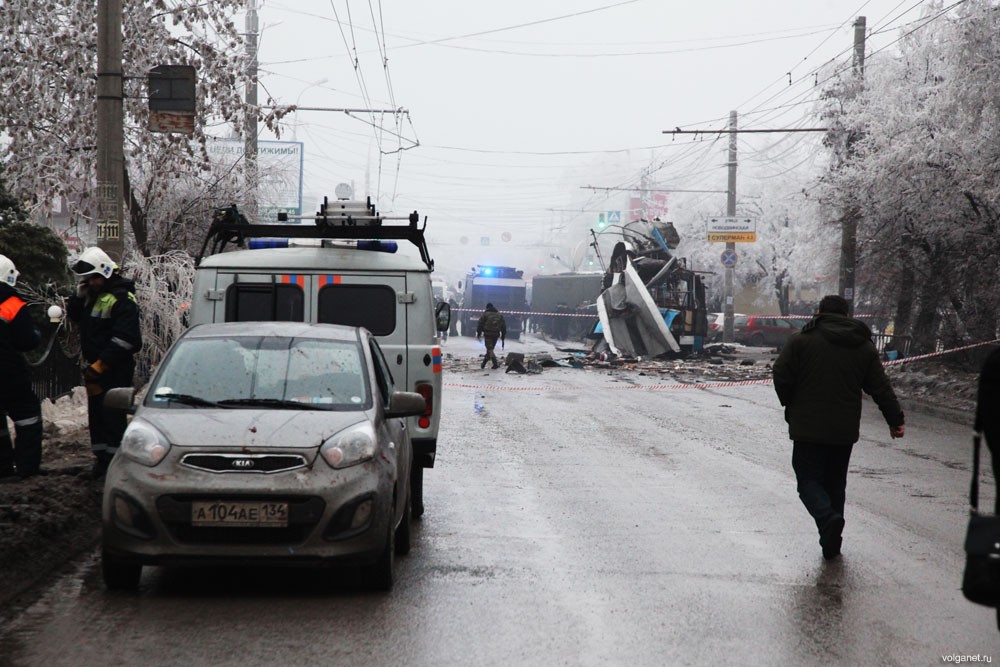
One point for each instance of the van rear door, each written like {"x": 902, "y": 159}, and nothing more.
{"x": 374, "y": 301}
{"x": 254, "y": 297}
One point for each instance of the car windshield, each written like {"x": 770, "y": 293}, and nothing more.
{"x": 263, "y": 371}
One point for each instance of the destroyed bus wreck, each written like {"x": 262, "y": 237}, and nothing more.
{"x": 651, "y": 305}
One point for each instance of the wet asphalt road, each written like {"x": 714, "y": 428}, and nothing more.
{"x": 575, "y": 519}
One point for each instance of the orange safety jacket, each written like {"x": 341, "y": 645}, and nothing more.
{"x": 10, "y": 308}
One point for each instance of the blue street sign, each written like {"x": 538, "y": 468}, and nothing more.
{"x": 728, "y": 258}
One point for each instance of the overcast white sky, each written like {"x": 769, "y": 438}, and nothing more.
{"x": 518, "y": 105}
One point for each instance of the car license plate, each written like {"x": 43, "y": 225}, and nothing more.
{"x": 240, "y": 514}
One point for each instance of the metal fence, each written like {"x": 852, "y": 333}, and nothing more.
{"x": 55, "y": 366}
{"x": 892, "y": 347}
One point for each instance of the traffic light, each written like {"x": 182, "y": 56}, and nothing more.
{"x": 602, "y": 222}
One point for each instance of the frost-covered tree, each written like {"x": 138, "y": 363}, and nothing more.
{"x": 48, "y": 100}
{"x": 794, "y": 243}
{"x": 163, "y": 288}
{"x": 924, "y": 173}
{"x": 11, "y": 209}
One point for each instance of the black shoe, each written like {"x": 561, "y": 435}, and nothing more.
{"x": 496, "y": 366}
{"x": 39, "y": 472}
{"x": 830, "y": 537}
{"x": 7, "y": 472}
{"x": 483, "y": 365}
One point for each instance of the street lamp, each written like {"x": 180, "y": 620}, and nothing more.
{"x": 295, "y": 124}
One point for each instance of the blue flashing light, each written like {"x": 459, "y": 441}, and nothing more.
{"x": 381, "y": 246}
{"x": 488, "y": 271}
{"x": 259, "y": 244}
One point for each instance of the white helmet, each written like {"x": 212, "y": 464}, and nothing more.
{"x": 94, "y": 261}
{"x": 8, "y": 274}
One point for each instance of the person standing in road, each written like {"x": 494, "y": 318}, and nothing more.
{"x": 988, "y": 413}
{"x": 988, "y": 420}
{"x": 819, "y": 377}
{"x": 108, "y": 315}
{"x": 18, "y": 334}
{"x": 493, "y": 327}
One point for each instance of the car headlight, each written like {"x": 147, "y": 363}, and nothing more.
{"x": 350, "y": 447}
{"x": 144, "y": 444}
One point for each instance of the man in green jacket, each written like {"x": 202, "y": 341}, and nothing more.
{"x": 819, "y": 377}
{"x": 493, "y": 326}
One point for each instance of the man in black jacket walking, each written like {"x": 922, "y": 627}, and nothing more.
{"x": 18, "y": 334}
{"x": 106, "y": 310}
{"x": 819, "y": 377}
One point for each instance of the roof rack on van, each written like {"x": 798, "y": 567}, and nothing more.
{"x": 341, "y": 219}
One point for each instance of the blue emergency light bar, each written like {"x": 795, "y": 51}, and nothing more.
{"x": 374, "y": 245}
{"x": 497, "y": 272}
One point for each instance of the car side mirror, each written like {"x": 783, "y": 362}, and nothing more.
{"x": 406, "y": 404}
{"x": 443, "y": 315}
{"x": 120, "y": 398}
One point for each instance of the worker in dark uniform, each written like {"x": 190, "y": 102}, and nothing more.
{"x": 491, "y": 326}
{"x": 18, "y": 334}
{"x": 106, "y": 310}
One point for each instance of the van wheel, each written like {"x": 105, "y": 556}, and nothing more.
{"x": 378, "y": 575}
{"x": 416, "y": 490}
{"x": 119, "y": 575}
{"x": 403, "y": 532}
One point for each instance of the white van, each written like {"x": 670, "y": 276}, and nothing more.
{"x": 337, "y": 267}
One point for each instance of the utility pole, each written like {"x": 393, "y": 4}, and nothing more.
{"x": 849, "y": 221}
{"x": 110, "y": 129}
{"x": 250, "y": 111}
{"x": 727, "y": 308}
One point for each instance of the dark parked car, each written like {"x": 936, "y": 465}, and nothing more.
{"x": 263, "y": 442}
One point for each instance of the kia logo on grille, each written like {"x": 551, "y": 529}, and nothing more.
{"x": 243, "y": 464}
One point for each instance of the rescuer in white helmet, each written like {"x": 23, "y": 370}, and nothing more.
{"x": 106, "y": 310}
{"x": 18, "y": 334}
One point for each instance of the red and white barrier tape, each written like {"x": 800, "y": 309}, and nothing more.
{"x": 653, "y": 387}
{"x": 594, "y": 314}
{"x": 527, "y": 312}
{"x": 706, "y": 385}
{"x": 916, "y": 357}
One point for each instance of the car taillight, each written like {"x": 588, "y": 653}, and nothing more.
{"x": 427, "y": 391}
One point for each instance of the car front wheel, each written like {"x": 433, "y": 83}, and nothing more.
{"x": 403, "y": 532}
{"x": 378, "y": 576}
{"x": 119, "y": 575}
{"x": 757, "y": 340}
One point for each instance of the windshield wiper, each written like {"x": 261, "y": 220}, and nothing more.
{"x": 187, "y": 399}
{"x": 268, "y": 402}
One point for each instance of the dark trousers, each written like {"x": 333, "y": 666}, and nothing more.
{"x": 19, "y": 400}
{"x": 821, "y": 473}
{"x": 108, "y": 426}
{"x": 491, "y": 343}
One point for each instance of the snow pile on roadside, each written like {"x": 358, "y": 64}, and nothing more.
{"x": 66, "y": 414}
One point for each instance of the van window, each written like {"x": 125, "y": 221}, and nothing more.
{"x": 264, "y": 302}
{"x": 369, "y": 306}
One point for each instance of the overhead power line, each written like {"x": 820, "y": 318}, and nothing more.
{"x": 727, "y": 131}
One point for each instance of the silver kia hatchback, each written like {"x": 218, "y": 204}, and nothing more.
{"x": 262, "y": 442}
